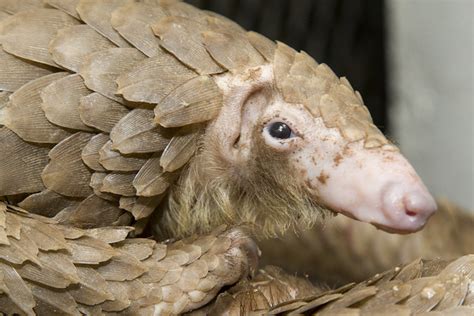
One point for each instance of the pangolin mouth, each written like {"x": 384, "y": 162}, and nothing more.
{"x": 386, "y": 227}
{"x": 392, "y": 230}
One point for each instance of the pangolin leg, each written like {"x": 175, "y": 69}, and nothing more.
{"x": 46, "y": 268}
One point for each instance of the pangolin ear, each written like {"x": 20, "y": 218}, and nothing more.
{"x": 237, "y": 122}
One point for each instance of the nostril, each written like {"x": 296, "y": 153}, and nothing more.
{"x": 417, "y": 204}
{"x": 412, "y": 205}
{"x": 406, "y": 208}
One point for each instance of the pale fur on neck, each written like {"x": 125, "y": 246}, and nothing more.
{"x": 210, "y": 193}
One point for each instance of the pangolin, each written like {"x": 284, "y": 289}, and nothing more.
{"x": 159, "y": 115}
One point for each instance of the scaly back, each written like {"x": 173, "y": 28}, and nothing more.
{"x": 96, "y": 114}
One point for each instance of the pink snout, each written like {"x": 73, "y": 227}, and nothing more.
{"x": 406, "y": 209}
{"x": 379, "y": 187}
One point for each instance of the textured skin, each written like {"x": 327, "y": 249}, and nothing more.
{"x": 47, "y": 268}
{"x": 431, "y": 287}
{"x": 328, "y": 253}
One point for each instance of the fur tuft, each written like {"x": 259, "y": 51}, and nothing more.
{"x": 259, "y": 194}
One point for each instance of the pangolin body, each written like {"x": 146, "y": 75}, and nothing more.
{"x": 126, "y": 107}
{"x": 114, "y": 111}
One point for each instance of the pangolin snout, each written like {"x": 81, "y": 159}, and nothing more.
{"x": 377, "y": 186}
{"x": 405, "y": 208}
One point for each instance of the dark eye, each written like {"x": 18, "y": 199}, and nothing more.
{"x": 280, "y": 130}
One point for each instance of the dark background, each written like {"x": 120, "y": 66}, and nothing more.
{"x": 348, "y": 35}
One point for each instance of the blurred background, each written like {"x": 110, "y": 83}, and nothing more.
{"x": 412, "y": 61}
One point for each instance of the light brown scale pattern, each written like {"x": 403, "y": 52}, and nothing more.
{"x": 48, "y": 268}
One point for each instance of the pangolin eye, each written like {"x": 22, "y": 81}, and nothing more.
{"x": 280, "y": 130}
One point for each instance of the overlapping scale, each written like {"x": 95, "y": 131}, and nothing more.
{"x": 97, "y": 180}
{"x": 20, "y": 175}
{"x": 101, "y": 69}
{"x": 94, "y": 210}
{"x": 119, "y": 183}
{"x": 232, "y": 51}
{"x": 48, "y": 203}
{"x": 196, "y": 101}
{"x": 61, "y": 101}
{"x": 180, "y": 149}
{"x": 66, "y": 173}
{"x": 27, "y": 34}
{"x": 154, "y": 78}
{"x": 133, "y": 21}
{"x": 138, "y": 133}
{"x": 182, "y": 37}
{"x": 113, "y": 161}
{"x": 97, "y": 14}
{"x": 24, "y": 115}
{"x": 100, "y": 112}
{"x": 16, "y": 71}
{"x": 73, "y": 44}
{"x": 263, "y": 45}
{"x": 152, "y": 180}
{"x": 90, "y": 152}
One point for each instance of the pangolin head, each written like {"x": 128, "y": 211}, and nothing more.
{"x": 291, "y": 143}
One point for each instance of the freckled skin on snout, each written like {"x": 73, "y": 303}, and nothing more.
{"x": 323, "y": 177}
{"x": 337, "y": 159}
